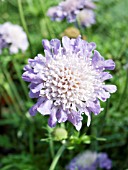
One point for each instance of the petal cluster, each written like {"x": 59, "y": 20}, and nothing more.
{"x": 90, "y": 161}
{"x": 68, "y": 81}
{"x": 14, "y": 37}
{"x": 70, "y": 9}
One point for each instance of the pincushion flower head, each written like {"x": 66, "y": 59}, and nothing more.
{"x": 14, "y": 37}
{"x": 90, "y": 160}
{"x": 69, "y": 9}
{"x": 69, "y": 81}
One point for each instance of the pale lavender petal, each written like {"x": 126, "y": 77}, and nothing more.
{"x": 87, "y": 113}
{"x": 33, "y": 95}
{"x": 110, "y": 88}
{"x": 46, "y": 45}
{"x": 66, "y": 43}
{"x": 45, "y": 108}
{"x": 52, "y": 119}
{"x": 76, "y": 119}
{"x": 97, "y": 60}
{"x": 37, "y": 88}
{"x": 55, "y": 45}
{"x": 109, "y": 64}
{"x": 61, "y": 116}
{"x": 105, "y": 76}
{"x": 91, "y": 46}
{"x": 94, "y": 107}
{"x": 27, "y": 68}
{"x": 103, "y": 95}
{"x": 30, "y": 76}
{"x": 33, "y": 109}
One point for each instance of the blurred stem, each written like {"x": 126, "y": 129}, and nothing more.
{"x": 6, "y": 100}
{"x": 45, "y": 18}
{"x": 51, "y": 144}
{"x": 13, "y": 87}
{"x": 21, "y": 81}
{"x": 12, "y": 98}
{"x": 24, "y": 23}
{"x": 77, "y": 23}
{"x": 57, "y": 156}
{"x": 124, "y": 93}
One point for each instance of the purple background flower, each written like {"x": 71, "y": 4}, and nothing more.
{"x": 81, "y": 10}
{"x": 89, "y": 160}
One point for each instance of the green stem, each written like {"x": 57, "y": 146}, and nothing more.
{"x": 24, "y": 23}
{"x": 3, "y": 94}
{"x": 9, "y": 92}
{"x": 13, "y": 87}
{"x": 57, "y": 156}
{"x": 51, "y": 144}
{"x": 79, "y": 27}
{"x": 21, "y": 81}
{"x": 46, "y": 22}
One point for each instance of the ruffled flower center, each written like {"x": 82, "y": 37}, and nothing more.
{"x": 70, "y": 81}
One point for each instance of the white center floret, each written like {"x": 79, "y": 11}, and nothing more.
{"x": 70, "y": 81}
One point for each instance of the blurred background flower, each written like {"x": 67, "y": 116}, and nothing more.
{"x": 86, "y": 18}
{"x": 73, "y": 10}
{"x": 90, "y": 160}
{"x": 13, "y": 36}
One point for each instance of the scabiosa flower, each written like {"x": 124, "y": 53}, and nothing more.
{"x": 14, "y": 36}
{"x": 69, "y": 9}
{"x": 68, "y": 81}
{"x": 90, "y": 161}
{"x": 86, "y": 17}
{"x": 66, "y": 9}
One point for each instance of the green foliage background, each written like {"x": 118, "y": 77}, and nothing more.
{"x": 20, "y": 140}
